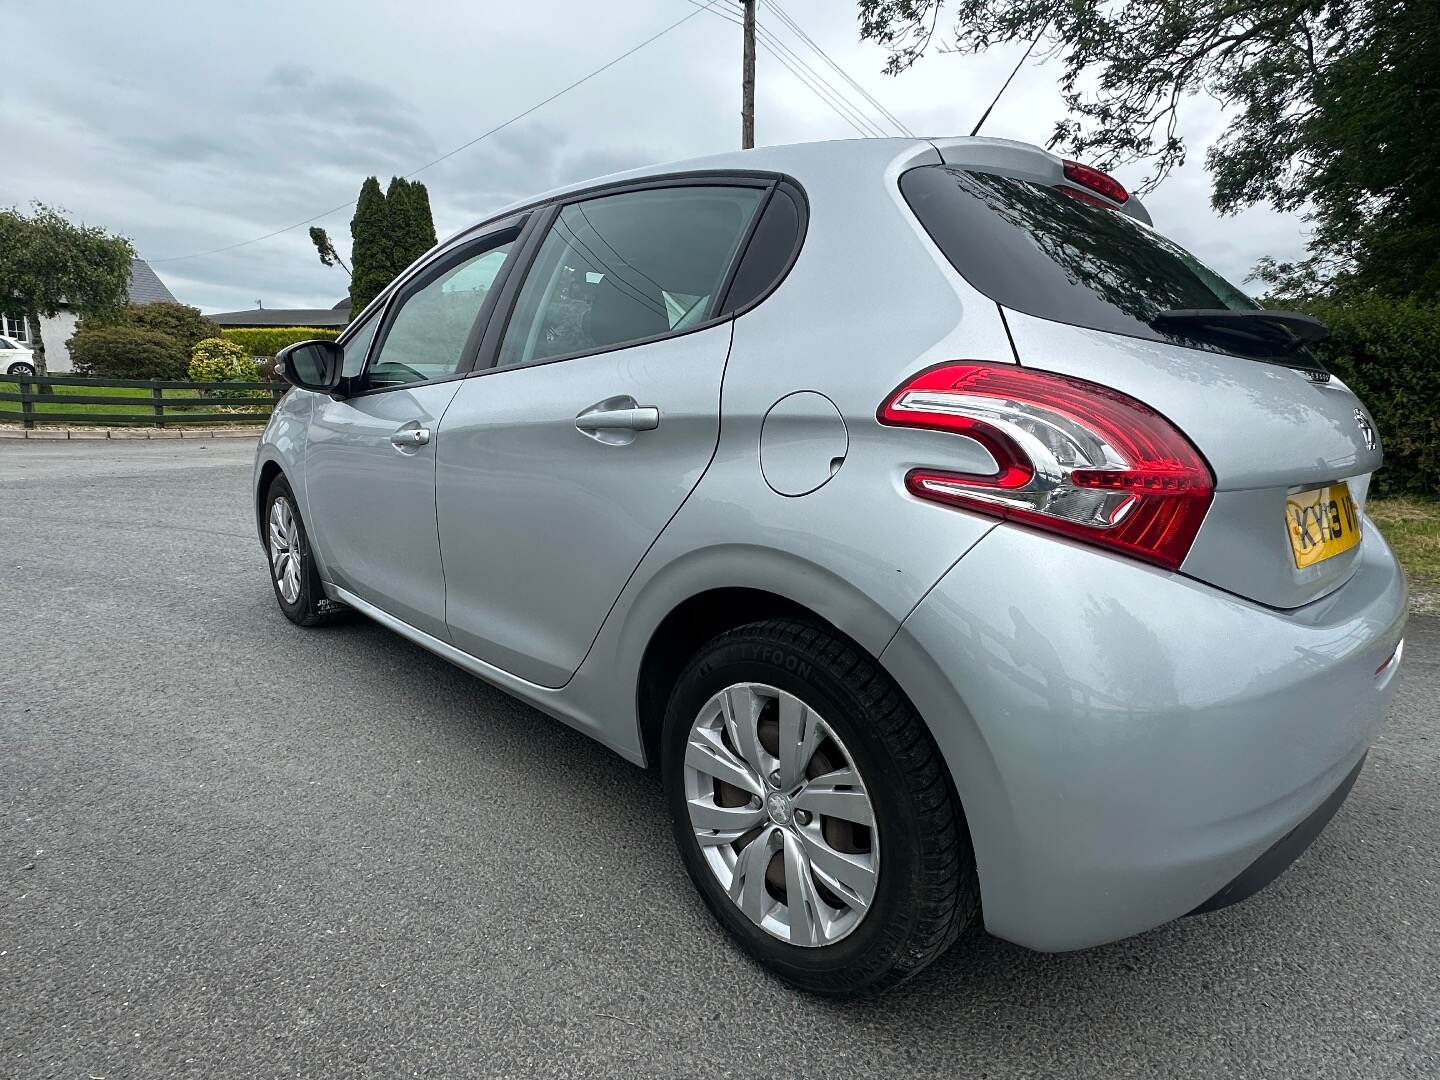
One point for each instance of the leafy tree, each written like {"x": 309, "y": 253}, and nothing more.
{"x": 389, "y": 231}
{"x": 398, "y": 223}
{"x": 1333, "y": 105}
{"x": 179, "y": 321}
{"x": 370, "y": 254}
{"x": 328, "y": 255}
{"x": 46, "y": 260}
{"x": 422, "y": 222}
{"x": 412, "y": 231}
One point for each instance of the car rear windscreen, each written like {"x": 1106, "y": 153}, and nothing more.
{"x": 1038, "y": 250}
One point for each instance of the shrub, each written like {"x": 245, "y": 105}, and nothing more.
{"x": 267, "y": 341}
{"x": 1388, "y": 352}
{"x": 121, "y": 352}
{"x": 218, "y": 360}
{"x": 180, "y": 321}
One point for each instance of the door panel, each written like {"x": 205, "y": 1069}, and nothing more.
{"x": 543, "y": 521}
{"x": 370, "y": 459}
{"x": 372, "y": 503}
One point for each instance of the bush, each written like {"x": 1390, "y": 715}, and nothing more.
{"x": 269, "y": 340}
{"x": 180, "y": 321}
{"x": 1388, "y": 352}
{"x": 217, "y": 360}
{"x": 121, "y": 352}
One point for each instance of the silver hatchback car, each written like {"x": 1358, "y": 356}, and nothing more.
{"x": 950, "y": 540}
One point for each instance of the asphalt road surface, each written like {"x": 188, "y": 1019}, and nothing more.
{"x": 233, "y": 848}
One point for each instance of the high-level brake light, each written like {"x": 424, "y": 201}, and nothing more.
{"x": 1102, "y": 183}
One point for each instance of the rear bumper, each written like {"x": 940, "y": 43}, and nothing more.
{"x": 1283, "y": 852}
{"x": 1127, "y": 742}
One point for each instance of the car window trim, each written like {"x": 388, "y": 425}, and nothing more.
{"x": 423, "y": 275}
{"x": 487, "y": 361}
{"x": 788, "y": 186}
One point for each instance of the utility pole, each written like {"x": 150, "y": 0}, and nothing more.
{"x": 747, "y": 81}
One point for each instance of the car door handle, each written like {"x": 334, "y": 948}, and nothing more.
{"x": 615, "y": 420}
{"x": 637, "y": 418}
{"x": 417, "y": 436}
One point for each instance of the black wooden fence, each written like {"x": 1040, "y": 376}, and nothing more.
{"x": 199, "y": 407}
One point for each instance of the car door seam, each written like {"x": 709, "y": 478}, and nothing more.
{"x": 714, "y": 450}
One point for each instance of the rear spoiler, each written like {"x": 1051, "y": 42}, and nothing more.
{"x": 1026, "y": 162}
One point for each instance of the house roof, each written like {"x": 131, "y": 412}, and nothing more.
{"x": 145, "y": 286}
{"x": 331, "y": 318}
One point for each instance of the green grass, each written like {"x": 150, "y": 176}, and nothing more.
{"x": 1412, "y": 525}
{"x": 56, "y": 408}
{"x": 58, "y": 405}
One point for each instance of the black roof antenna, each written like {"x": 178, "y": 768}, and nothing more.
{"x": 986, "y": 114}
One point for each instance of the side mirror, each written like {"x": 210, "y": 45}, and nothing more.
{"x": 312, "y": 365}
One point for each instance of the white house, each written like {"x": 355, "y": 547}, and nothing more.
{"x": 145, "y": 288}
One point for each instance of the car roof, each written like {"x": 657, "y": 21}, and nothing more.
{"x": 800, "y": 159}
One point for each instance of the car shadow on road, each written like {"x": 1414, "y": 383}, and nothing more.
{"x": 1228, "y": 964}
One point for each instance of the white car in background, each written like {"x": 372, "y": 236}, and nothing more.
{"x": 15, "y": 359}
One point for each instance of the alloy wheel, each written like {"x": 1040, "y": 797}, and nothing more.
{"x": 285, "y": 547}
{"x": 781, "y": 814}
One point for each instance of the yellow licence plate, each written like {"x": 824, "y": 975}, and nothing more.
{"x": 1323, "y": 522}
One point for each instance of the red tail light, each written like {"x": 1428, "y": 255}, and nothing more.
{"x": 1071, "y": 456}
{"x": 1087, "y": 176}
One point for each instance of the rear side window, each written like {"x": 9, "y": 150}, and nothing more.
{"x": 771, "y": 250}
{"x": 628, "y": 267}
{"x": 1034, "y": 249}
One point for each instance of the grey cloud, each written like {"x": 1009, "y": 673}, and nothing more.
{"x": 217, "y": 128}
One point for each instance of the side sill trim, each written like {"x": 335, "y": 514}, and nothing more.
{"x": 547, "y": 700}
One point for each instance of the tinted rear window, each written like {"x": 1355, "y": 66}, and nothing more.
{"x": 1037, "y": 250}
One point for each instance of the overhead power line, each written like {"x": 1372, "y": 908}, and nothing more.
{"x": 808, "y": 77}
{"x": 463, "y": 146}
{"x": 866, "y": 126}
{"x": 799, "y": 32}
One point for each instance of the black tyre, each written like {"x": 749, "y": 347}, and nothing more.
{"x": 794, "y": 768}
{"x": 20, "y": 368}
{"x": 293, "y": 575}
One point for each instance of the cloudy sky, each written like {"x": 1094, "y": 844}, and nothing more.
{"x": 190, "y": 127}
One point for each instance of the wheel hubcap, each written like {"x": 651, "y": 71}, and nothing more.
{"x": 781, "y": 814}
{"x": 285, "y": 549}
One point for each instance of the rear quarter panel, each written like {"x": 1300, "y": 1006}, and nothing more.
{"x": 865, "y": 304}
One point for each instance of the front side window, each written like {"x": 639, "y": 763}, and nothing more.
{"x": 426, "y": 339}
{"x": 628, "y": 267}
{"x": 358, "y": 346}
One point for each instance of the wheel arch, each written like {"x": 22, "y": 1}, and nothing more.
{"x": 680, "y": 635}
{"x": 265, "y": 476}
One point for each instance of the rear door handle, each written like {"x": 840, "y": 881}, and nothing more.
{"x": 615, "y": 420}
{"x": 640, "y": 418}
{"x": 416, "y": 436}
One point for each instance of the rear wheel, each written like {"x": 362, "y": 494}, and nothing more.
{"x": 293, "y": 574}
{"x": 20, "y": 367}
{"x": 813, "y": 811}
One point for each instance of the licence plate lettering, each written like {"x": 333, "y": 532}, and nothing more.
{"x": 1322, "y": 523}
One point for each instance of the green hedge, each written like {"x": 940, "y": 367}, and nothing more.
{"x": 123, "y": 352}
{"x": 271, "y": 339}
{"x": 218, "y": 360}
{"x": 1388, "y": 352}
